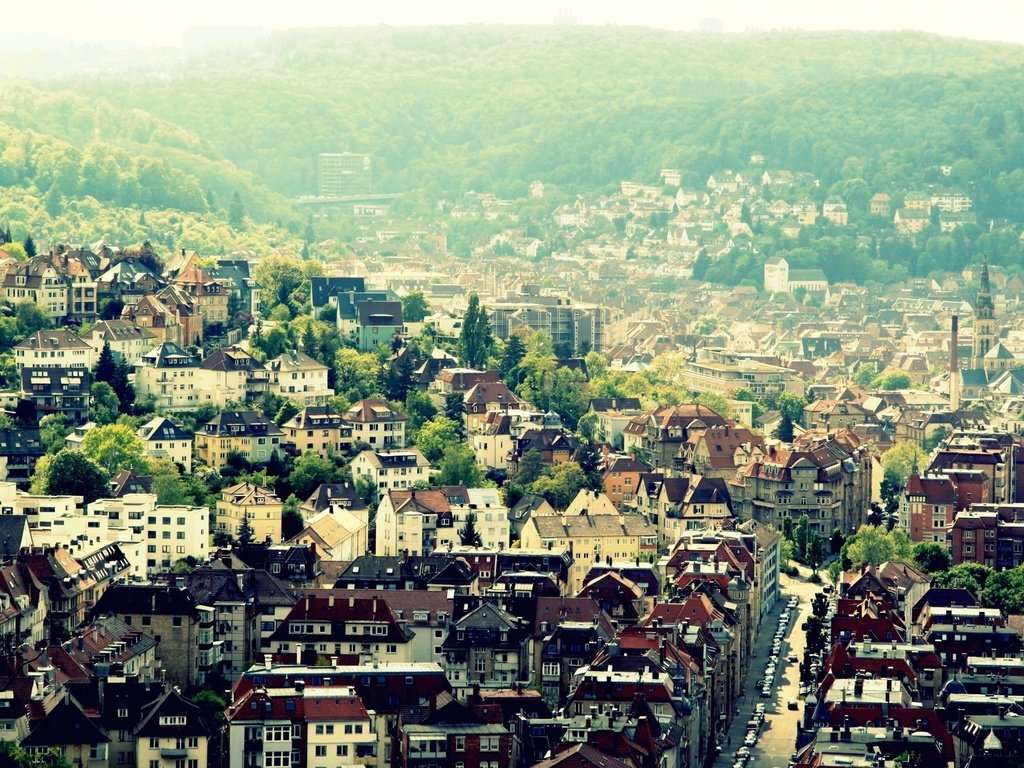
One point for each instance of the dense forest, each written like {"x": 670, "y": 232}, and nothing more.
{"x": 447, "y": 110}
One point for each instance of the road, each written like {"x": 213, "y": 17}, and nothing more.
{"x": 777, "y": 735}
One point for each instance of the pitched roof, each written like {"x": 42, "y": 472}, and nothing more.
{"x": 162, "y": 428}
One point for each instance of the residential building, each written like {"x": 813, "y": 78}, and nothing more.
{"x": 169, "y": 321}
{"x": 377, "y": 322}
{"x": 723, "y": 372}
{"x": 391, "y": 470}
{"x": 210, "y": 296}
{"x": 613, "y": 414}
{"x": 318, "y": 429}
{"x": 128, "y": 342}
{"x": 172, "y": 731}
{"x": 56, "y": 348}
{"x": 591, "y": 537}
{"x": 301, "y": 726}
{"x": 170, "y": 375}
{"x": 231, "y": 375}
{"x": 377, "y": 424}
{"x": 297, "y": 376}
{"x": 19, "y": 451}
{"x": 658, "y": 436}
{"x": 162, "y": 438}
{"x": 57, "y": 390}
{"x": 989, "y": 534}
{"x": 326, "y": 623}
{"x": 182, "y": 629}
{"x": 828, "y": 479}
{"x": 248, "y": 433}
{"x": 487, "y": 646}
{"x": 249, "y": 501}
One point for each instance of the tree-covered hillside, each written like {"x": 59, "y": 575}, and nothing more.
{"x": 444, "y": 110}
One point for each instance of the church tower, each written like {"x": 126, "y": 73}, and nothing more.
{"x": 984, "y": 320}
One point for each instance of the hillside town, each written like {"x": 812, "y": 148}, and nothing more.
{"x": 571, "y": 502}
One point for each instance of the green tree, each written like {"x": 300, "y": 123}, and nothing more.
{"x": 784, "y": 429}
{"x": 969, "y": 576}
{"x": 716, "y": 402}
{"x": 105, "y": 368}
{"x": 414, "y": 307}
{"x": 815, "y": 550}
{"x": 938, "y": 437}
{"x": 291, "y": 517}
{"x": 236, "y": 211}
{"x": 30, "y": 246}
{"x": 167, "y": 483}
{"x": 453, "y": 409}
{"x": 103, "y": 403}
{"x": 356, "y": 373}
{"x": 53, "y": 430}
{"x": 435, "y": 436}
{"x": 420, "y": 409}
{"x": 875, "y": 545}
{"x": 459, "y": 467}
{"x": 515, "y": 351}
{"x": 115, "y": 447}
{"x": 73, "y": 473}
{"x": 561, "y": 484}
{"x": 13, "y": 756}
{"x": 791, "y": 405}
{"x": 246, "y": 533}
{"x": 901, "y": 460}
{"x": 469, "y": 536}
{"x": 801, "y": 537}
{"x": 892, "y": 381}
{"x": 931, "y": 557}
{"x": 531, "y": 467}
{"x": 310, "y": 472}
{"x": 589, "y": 458}
{"x": 30, "y": 318}
{"x": 475, "y": 337}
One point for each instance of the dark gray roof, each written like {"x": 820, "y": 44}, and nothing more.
{"x": 12, "y": 531}
{"x": 323, "y": 288}
{"x": 380, "y": 312}
{"x": 162, "y": 428}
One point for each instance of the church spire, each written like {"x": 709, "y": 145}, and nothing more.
{"x": 984, "y": 308}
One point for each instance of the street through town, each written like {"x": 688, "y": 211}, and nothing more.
{"x": 777, "y": 733}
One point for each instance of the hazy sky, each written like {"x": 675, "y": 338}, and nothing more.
{"x": 149, "y": 22}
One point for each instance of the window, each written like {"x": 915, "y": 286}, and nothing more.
{"x": 321, "y": 750}
{"x": 460, "y": 743}
{"x": 341, "y": 750}
{"x": 490, "y": 743}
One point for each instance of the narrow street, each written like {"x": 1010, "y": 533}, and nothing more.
{"x": 777, "y": 734}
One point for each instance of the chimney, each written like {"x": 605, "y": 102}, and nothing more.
{"x": 954, "y": 365}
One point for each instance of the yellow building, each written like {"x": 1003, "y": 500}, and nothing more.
{"x": 249, "y": 433}
{"x": 593, "y": 536}
{"x": 261, "y": 505}
{"x": 318, "y": 429}
{"x": 172, "y": 733}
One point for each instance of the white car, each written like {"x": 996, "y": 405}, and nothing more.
{"x": 750, "y": 740}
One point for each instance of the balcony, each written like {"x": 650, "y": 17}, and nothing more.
{"x": 167, "y": 753}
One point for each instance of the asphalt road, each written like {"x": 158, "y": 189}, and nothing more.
{"x": 777, "y": 735}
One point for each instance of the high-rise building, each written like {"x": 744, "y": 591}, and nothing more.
{"x": 344, "y": 173}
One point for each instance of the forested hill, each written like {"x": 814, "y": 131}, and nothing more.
{"x": 444, "y": 110}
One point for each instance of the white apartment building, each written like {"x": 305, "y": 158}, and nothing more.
{"x": 167, "y": 533}
{"x": 393, "y": 470}
{"x": 170, "y": 375}
{"x": 162, "y": 438}
{"x": 300, "y": 378}
{"x": 58, "y": 348}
